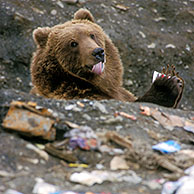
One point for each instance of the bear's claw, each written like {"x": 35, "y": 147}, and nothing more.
{"x": 176, "y": 83}
{"x": 165, "y": 90}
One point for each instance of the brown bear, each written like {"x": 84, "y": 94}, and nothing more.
{"x": 78, "y": 60}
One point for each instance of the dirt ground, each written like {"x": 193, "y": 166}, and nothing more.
{"x": 149, "y": 35}
{"x": 19, "y": 163}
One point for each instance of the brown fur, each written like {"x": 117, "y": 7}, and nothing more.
{"x": 60, "y": 71}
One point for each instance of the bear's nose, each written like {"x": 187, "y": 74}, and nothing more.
{"x": 99, "y": 54}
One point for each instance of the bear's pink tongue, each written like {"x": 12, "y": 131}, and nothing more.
{"x": 98, "y": 68}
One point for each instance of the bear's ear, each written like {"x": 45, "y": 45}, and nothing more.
{"x": 83, "y": 14}
{"x": 40, "y": 36}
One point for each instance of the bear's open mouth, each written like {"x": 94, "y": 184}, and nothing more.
{"x": 98, "y": 68}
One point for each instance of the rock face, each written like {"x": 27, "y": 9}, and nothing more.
{"x": 149, "y": 35}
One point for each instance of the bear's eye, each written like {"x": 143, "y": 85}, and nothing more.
{"x": 74, "y": 44}
{"x": 92, "y": 36}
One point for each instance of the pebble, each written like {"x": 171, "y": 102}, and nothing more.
{"x": 170, "y": 46}
{"x": 129, "y": 82}
{"x": 60, "y": 4}
{"x": 53, "y": 12}
{"x": 100, "y": 166}
{"x": 152, "y": 45}
{"x": 142, "y": 34}
{"x": 186, "y": 67}
{"x": 70, "y": 107}
{"x": 71, "y": 1}
{"x": 73, "y": 107}
{"x": 188, "y": 48}
{"x": 160, "y": 19}
{"x": 118, "y": 163}
{"x": 41, "y": 153}
{"x": 19, "y": 17}
{"x": 82, "y": 1}
{"x": 32, "y": 160}
{"x": 113, "y": 120}
{"x": 87, "y": 117}
{"x": 118, "y": 128}
{"x": 100, "y": 106}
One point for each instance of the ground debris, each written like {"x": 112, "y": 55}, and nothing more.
{"x": 82, "y": 147}
{"x": 168, "y": 121}
{"x": 10, "y": 175}
{"x": 121, "y": 7}
{"x": 30, "y": 120}
{"x": 163, "y": 23}
{"x": 42, "y": 187}
{"x": 40, "y": 152}
{"x": 119, "y": 163}
{"x": 184, "y": 185}
{"x": 145, "y": 157}
{"x": 121, "y": 141}
{"x": 169, "y": 146}
{"x": 62, "y": 154}
{"x": 99, "y": 176}
{"x": 128, "y": 116}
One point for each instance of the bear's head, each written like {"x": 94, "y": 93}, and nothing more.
{"x": 77, "y": 45}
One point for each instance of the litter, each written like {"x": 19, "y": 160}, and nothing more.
{"x": 42, "y": 187}
{"x": 80, "y": 104}
{"x": 62, "y": 154}
{"x": 40, "y": 152}
{"x": 145, "y": 110}
{"x": 75, "y": 165}
{"x": 118, "y": 163}
{"x": 189, "y": 126}
{"x": 168, "y": 121}
{"x": 154, "y": 184}
{"x": 99, "y": 176}
{"x": 189, "y": 153}
{"x": 123, "y": 114}
{"x": 167, "y": 147}
{"x": 29, "y": 120}
{"x": 82, "y": 131}
{"x": 11, "y": 191}
{"x": 142, "y": 153}
{"x": 184, "y": 185}
{"x": 83, "y": 143}
{"x": 83, "y": 137}
{"x": 121, "y": 141}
